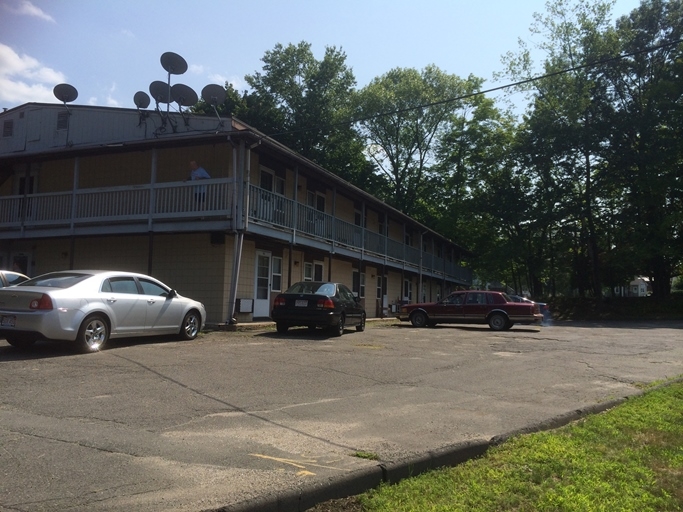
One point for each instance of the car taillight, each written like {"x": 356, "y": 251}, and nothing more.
{"x": 279, "y": 301}
{"x": 325, "y": 304}
{"x": 45, "y": 302}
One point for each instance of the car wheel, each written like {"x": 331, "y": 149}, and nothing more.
{"x": 189, "y": 329}
{"x": 93, "y": 334}
{"x": 20, "y": 342}
{"x": 498, "y": 322}
{"x": 282, "y": 328}
{"x": 338, "y": 330}
{"x": 418, "y": 319}
{"x": 361, "y": 326}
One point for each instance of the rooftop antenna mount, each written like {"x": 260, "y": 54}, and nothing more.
{"x": 214, "y": 95}
{"x": 174, "y": 64}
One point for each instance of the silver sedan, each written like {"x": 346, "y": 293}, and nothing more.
{"x": 90, "y": 307}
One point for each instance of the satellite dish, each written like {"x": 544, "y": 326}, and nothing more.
{"x": 183, "y": 95}
{"x": 213, "y": 94}
{"x": 173, "y": 63}
{"x": 159, "y": 91}
{"x": 65, "y": 93}
{"x": 141, "y": 99}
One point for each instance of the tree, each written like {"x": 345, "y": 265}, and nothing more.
{"x": 306, "y": 104}
{"x": 401, "y": 115}
{"x": 647, "y": 143}
{"x": 567, "y": 114}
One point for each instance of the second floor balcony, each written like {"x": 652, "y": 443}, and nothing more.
{"x": 178, "y": 206}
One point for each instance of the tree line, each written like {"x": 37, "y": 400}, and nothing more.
{"x": 576, "y": 194}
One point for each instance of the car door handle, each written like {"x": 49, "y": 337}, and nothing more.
{"x": 111, "y": 300}
{"x": 150, "y": 301}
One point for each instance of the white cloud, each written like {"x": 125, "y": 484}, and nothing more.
{"x": 26, "y": 8}
{"x": 24, "y": 79}
{"x": 235, "y": 81}
{"x": 196, "y": 69}
{"x": 111, "y": 101}
{"x": 128, "y": 33}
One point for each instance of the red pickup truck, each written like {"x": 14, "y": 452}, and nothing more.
{"x": 473, "y": 307}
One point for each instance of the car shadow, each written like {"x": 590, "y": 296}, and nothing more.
{"x": 474, "y": 327}
{"x": 304, "y": 333}
{"x": 43, "y": 349}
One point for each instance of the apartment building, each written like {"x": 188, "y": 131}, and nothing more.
{"x": 106, "y": 188}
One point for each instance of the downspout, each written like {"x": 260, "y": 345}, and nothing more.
{"x": 245, "y": 172}
{"x": 238, "y": 223}
{"x": 296, "y": 204}
{"x": 295, "y": 224}
{"x": 74, "y": 200}
{"x": 152, "y": 201}
{"x": 334, "y": 237}
{"x": 419, "y": 285}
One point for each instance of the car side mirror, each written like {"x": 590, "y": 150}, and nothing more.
{"x": 172, "y": 294}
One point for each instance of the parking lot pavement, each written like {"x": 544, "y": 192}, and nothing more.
{"x": 244, "y": 419}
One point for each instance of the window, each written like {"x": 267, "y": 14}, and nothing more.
{"x": 266, "y": 181}
{"x": 457, "y": 299}
{"x": 151, "y": 288}
{"x": 279, "y": 186}
{"x": 316, "y": 200}
{"x": 379, "y": 287}
{"x": 383, "y": 228}
{"x": 359, "y": 283}
{"x": 317, "y": 271}
{"x": 120, "y": 285}
{"x": 345, "y": 293}
{"x": 409, "y": 239}
{"x": 407, "y": 290}
{"x": 8, "y": 128}
{"x": 476, "y": 298}
{"x": 308, "y": 271}
{"x": 276, "y": 282}
{"x": 62, "y": 120}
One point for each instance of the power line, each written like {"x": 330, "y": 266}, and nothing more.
{"x": 493, "y": 89}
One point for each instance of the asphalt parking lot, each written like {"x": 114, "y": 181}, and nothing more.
{"x": 238, "y": 420}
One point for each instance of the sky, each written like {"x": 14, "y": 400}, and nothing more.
{"x": 110, "y": 49}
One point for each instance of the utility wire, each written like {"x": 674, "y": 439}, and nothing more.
{"x": 493, "y": 89}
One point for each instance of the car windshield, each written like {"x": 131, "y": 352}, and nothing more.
{"x": 312, "y": 287}
{"x": 56, "y": 280}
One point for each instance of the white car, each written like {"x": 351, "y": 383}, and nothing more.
{"x": 91, "y": 306}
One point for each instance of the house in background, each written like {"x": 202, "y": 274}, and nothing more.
{"x": 98, "y": 187}
{"x": 640, "y": 287}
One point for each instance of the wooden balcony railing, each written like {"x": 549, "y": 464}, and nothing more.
{"x": 158, "y": 202}
{"x": 270, "y": 208}
{"x": 179, "y": 201}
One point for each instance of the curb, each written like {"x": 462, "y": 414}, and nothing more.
{"x": 356, "y": 482}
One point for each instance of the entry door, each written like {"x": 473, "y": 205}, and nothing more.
{"x": 262, "y": 285}
{"x": 26, "y": 185}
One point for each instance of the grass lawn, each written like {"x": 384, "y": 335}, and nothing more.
{"x": 629, "y": 458}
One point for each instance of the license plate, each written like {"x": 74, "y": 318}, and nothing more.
{"x": 8, "y": 321}
{"x": 301, "y": 303}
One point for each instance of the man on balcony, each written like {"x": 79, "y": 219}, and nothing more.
{"x": 198, "y": 173}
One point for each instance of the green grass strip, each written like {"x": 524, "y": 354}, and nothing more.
{"x": 627, "y": 459}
